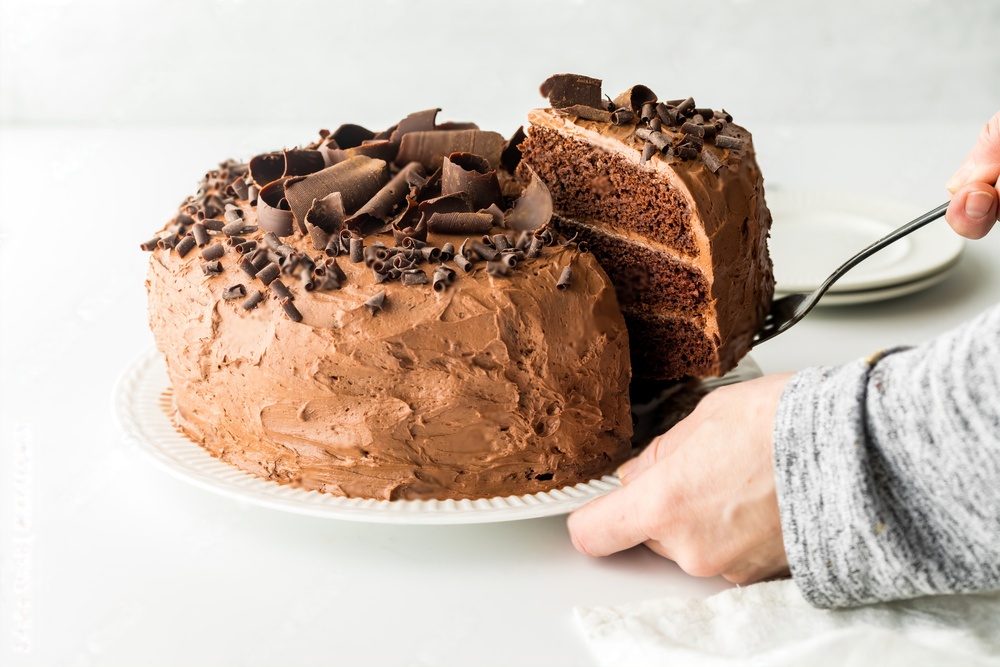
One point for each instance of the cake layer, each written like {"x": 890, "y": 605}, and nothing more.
{"x": 668, "y": 346}
{"x": 594, "y": 184}
{"x": 645, "y": 278}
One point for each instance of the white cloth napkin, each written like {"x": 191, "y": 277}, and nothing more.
{"x": 772, "y": 624}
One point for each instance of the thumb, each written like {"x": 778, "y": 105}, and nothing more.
{"x": 982, "y": 164}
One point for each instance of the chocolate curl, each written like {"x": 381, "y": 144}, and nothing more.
{"x": 711, "y": 160}
{"x": 511, "y": 155}
{"x": 667, "y": 115}
{"x": 463, "y": 263}
{"x": 290, "y": 310}
{"x": 320, "y": 239}
{"x": 235, "y": 228}
{"x": 447, "y": 251}
{"x": 443, "y": 276}
{"x": 377, "y": 150}
{"x": 410, "y": 224}
{"x": 586, "y": 113}
{"x": 280, "y": 290}
{"x": 497, "y": 268}
{"x": 693, "y": 129}
{"x": 501, "y": 242}
{"x": 234, "y": 292}
{"x": 686, "y": 107}
{"x": 460, "y": 223}
{"x": 327, "y": 213}
{"x": 300, "y": 162}
{"x": 266, "y": 168}
{"x": 648, "y": 112}
{"x": 308, "y": 278}
{"x": 431, "y": 254}
{"x": 350, "y": 135}
{"x": 333, "y": 269}
{"x": 244, "y": 247}
{"x": 213, "y": 252}
{"x": 239, "y": 187}
{"x": 655, "y": 138}
{"x": 253, "y": 300}
{"x": 418, "y": 121}
{"x": 273, "y": 214}
{"x": 497, "y": 214}
{"x": 535, "y": 248}
{"x": 484, "y": 251}
{"x": 565, "y": 279}
{"x": 151, "y": 244}
{"x": 212, "y": 268}
{"x": 357, "y": 250}
{"x": 169, "y": 241}
{"x": 633, "y": 99}
{"x": 333, "y": 246}
{"x": 648, "y": 151}
{"x": 456, "y": 125}
{"x": 566, "y": 90}
{"x": 457, "y": 202}
{"x": 622, "y": 117}
{"x": 414, "y": 277}
{"x": 201, "y": 236}
{"x": 726, "y": 141}
{"x": 248, "y": 268}
{"x": 269, "y": 273}
{"x": 413, "y": 243}
{"x": 376, "y": 303}
{"x": 655, "y": 124}
{"x": 371, "y": 218}
{"x": 472, "y": 175}
{"x": 430, "y": 148}
{"x": 686, "y": 152}
{"x": 523, "y": 240}
{"x": 185, "y": 245}
{"x": 533, "y": 209}
{"x": 356, "y": 179}
{"x": 252, "y": 193}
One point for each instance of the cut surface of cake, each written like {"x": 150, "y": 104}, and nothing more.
{"x": 385, "y": 315}
{"x": 670, "y": 199}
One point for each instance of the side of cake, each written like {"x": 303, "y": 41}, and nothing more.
{"x": 384, "y": 315}
{"x": 670, "y": 199}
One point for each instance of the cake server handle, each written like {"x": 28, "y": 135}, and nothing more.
{"x": 789, "y": 309}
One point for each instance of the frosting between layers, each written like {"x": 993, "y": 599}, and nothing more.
{"x": 496, "y": 386}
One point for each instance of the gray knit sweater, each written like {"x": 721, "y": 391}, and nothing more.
{"x": 888, "y": 471}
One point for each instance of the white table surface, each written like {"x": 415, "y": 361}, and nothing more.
{"x": 107, "y": 560}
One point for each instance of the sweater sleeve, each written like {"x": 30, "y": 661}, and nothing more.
{"x": 888, "y": 471}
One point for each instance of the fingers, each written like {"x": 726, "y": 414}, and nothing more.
{"x": 982, "y": 165}
{"x": 656, "y": 450}
{"x": 974, "y": 209}
{"x": 611, "y": 523}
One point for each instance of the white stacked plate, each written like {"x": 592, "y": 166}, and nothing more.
{"x": 815, "y": 232}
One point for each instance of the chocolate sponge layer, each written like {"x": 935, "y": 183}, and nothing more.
{"x": 665, "y": 347}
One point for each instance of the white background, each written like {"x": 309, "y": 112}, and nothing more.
{"x": 111, "y": 110}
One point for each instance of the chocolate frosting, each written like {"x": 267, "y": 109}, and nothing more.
{"x": 493, "y": 386}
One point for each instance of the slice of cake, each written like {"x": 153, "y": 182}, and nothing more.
{"x": 669, "y": 198}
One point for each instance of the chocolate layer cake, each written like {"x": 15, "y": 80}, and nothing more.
{"x": 387, "y": 315}
{"x": 669, "y": 198}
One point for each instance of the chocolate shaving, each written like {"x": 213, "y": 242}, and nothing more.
{"x": 350, "y": 135}
{"x": 509, "y": 259}
{"x": 693, "y": 129}
{"x": 711, "y": 161}
{"x": 372, "y": 217}
{"x": 443, "y": 276}
{"x": 666, "y": 114}
{"x": 244, "y": 248}
{"x": 377, "y": 150}
{"x": 511, "y": 155}
{"x": 535, "y": 248}
{"x": 333, "y": 246}
{"x": 308, "y": 277}
{"x": 151, "y": 244}
{"x": 454, "y": 203}
{"x": 375, "y": 303}
{"x": 234, "y": 292}
{"x": 634, "y": 98}
{"x": 201, "y": 236}
{"x": 356, "y": 179}
{"x": 533, "y": 209}
{"x": 414, "y": 277}
{"x": 705, "y": 113}
{"x": 726, "y": 141}
{"x": 686, "y": 107}
{"x": 648, "y": 111}
{"x": 724, "y": 116}
{"x": 419, "y": 121}
{"x": 212, "y": 268}
{"x": 471, "y": 174}
{"x": 430, "y": 148}
{"x": 253, "y": 300}
{"x": 320, "y": 239}
{"x": 266, "y": 168}
{"x": 566, "y": 90}
{"x": 357, "y": 250}
{"x": 501, "y": 242}
{"x": 169, "y": 242}
{"x": 648, "y": 150}
{"x": 497, "y": 268}
{"x": 219, "y": 225}
{"x": 655, "y": 138}
{"x": 327, "y": 213}
{"x": 234, "y": 228}
{"x": 655, "y": 124}
{"x": 622, "y": 117}
{"x": 484, "y": 251}
{"x": 410, "y": 224}
{"x": 463, "y": 263}
{"x": 239, "y": 187}
{"x": 273, "y": 214}
{"x": 269, "y": 273}
{"x": 248, "y": 268}
{"x": 290, "y": 310}
{"x": 185, "y": 245}
{"x": 213, "y": 252}
{"x": 586, "y": 113}
{"x": 300, "y": 162}
{"x": 447, "y": 251}
{"x": 686, "y": 152}
{"x": 280, "y": 290}
{"x": 565, "y": 279}
{"x": 431, "y": 254}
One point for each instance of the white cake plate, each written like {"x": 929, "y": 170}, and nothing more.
{"x": 142, "y": 405}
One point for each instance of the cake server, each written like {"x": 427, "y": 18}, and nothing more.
{"x": 789, "y": 309}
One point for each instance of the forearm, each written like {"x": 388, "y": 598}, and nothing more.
{"x": 888, "y": 471}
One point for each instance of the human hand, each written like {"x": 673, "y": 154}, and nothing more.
{"x": 975, "y": 196}
{"x": 703, "y": 493}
